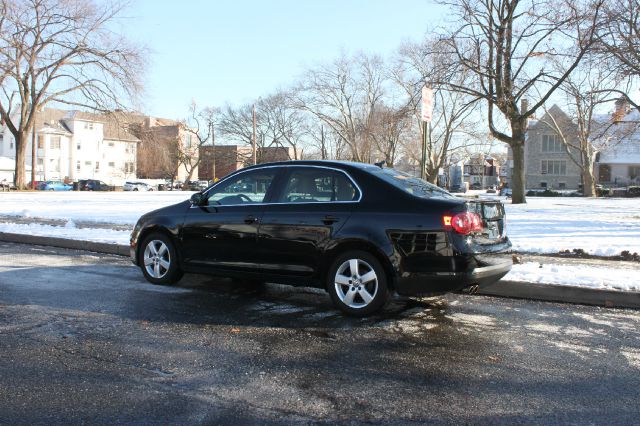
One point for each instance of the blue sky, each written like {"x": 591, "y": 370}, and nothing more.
{"x": 229, "y": 51}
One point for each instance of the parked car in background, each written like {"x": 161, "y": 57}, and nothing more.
{"x": 55, "y": 185}
{"x": 360, "y": 232}
{"x": 197, "y": 185}
{"x": 94, "y": 185}
{"x": 137, "y": 186}
{"x": 458, "y": 188}
{"x": 38, "y": 184}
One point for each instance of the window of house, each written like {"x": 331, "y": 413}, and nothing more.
{"x": 54, "y": 165}
{"x": 55, "y": 142}
{"x": 634, "y": 172}
{"x": 87, "y": 163}
{"x": 551, "y": 143}
{"x": 188, "y": 139}
{"x": 97, "y": 166}
{"x": 40, "y": 141}
{"x": 78, "y": 165}
{"x": 543, "y": 184}
{"x": 78, "y": 146}
{"x": 112, "y": 164}
{"x": 562, "y": 185}
{"x": 40, "y": 164}
{"x": 553, "y": 167}
{"x": 111, "y": 144}
{"x": 129, "y": 167}
{"x": 88, "y": 125}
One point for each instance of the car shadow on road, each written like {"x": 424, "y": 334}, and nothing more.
{"x": 120, "y": 289}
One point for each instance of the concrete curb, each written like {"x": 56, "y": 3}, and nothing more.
{"x": 563, "y": 294}
{"x": 66, "y": 243}
{"x": 510, "y": 289}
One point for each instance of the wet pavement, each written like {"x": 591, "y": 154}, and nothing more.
{"x": 84, "y": 339}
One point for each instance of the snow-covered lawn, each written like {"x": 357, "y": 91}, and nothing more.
{"x": 543, "y": 225}
{"x": 605, "y": 226}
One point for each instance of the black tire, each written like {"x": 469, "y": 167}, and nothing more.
{"x": 163, "y": 267}
{"x": 358, "y": 294}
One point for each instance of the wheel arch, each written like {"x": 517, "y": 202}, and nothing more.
{"x": 362, "y": 245}
{"x": 159, "y": 229}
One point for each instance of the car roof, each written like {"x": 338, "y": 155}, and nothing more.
{"x": 345, "y": 165}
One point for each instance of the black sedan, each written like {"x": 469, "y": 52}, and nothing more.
{"x": 359, "y": 231}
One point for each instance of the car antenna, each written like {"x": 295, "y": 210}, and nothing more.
{"x": 380, "y": 163}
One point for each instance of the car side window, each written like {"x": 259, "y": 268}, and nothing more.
{"x": 246, "y": 188}
{"x": 318, "y": 186}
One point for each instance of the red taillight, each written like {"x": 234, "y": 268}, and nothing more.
{"x": 463, "y": 223}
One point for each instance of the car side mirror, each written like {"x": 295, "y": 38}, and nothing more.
{"x": 196, "y": 199}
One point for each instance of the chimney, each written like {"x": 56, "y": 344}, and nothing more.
{"x": 621, "y": 109}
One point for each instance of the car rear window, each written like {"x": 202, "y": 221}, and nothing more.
{"x": 412, "y": 185}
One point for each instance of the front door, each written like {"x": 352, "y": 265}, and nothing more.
{"x": 221, "y": 233}
{"x": 309, "y": 209}
{"x": 604, "y": 173}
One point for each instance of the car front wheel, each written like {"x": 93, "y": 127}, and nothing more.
{"x": 357, "y": 283}
{"x": 158, "y": 260}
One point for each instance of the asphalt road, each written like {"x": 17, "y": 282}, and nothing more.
{"x": 84, "y": 339}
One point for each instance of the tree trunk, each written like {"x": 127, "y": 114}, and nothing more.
{"x": 588, "y": 181}
{"x": 20, "y": 177}
{"x": 517, "y": 174}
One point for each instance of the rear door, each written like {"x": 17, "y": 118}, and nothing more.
{"x": 311, "y": 206}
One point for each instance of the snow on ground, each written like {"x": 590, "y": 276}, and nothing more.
{"x": 110, "y": 236}
{"x": 597, "y": 277}
{"x": 600, "y": 226}
{"x": 604, "y": 226}
{"x": 107, "y": 207}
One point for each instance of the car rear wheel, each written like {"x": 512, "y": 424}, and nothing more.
{"x": 357, "y": 283}
{"x": 158, "y": 260}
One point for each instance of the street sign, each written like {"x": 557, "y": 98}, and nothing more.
{"x": 427, "y": 104}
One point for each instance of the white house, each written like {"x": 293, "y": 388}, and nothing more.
{"x": 618, "y": 162}
{"x": 72, "y": 145}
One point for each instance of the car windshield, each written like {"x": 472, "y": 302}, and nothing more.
{"x": 412, "y": 185}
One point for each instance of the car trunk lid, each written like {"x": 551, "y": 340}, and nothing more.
{"x": 494, "y": 229}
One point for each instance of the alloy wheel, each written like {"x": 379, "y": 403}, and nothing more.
{"x": 356, "y": 283}
{"x": 157, "y": 259}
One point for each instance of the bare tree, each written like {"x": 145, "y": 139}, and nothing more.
{"x": 285, "y": 123}
{"x": 61, "y": 51}
{"x": 344, "y": 96}
{"x": 580, "y": 130}
{"x": 506, "y": 44}
{"x": 619, "y": 41}
{"x": 389, "y": 127}
{"x": 199, "y": 130}
{"x": 426, "y": 63}
{"x": 328, "y": 143}
{"x": 236, "y": 125}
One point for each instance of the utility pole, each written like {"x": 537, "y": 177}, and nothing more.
{"x": 255, "y": 159}
{"x": 33, "y": 154}
{"x": 427, "y": 112}
{"x": 213, "y": 151}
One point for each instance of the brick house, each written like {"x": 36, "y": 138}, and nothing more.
{"x": 220, "y": 160}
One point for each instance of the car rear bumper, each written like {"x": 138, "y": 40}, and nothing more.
{"x": 485, "y": 270}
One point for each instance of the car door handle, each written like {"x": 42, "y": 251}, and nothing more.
{"x": 250, "y": 219}
{"x": 328, "y": 220}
